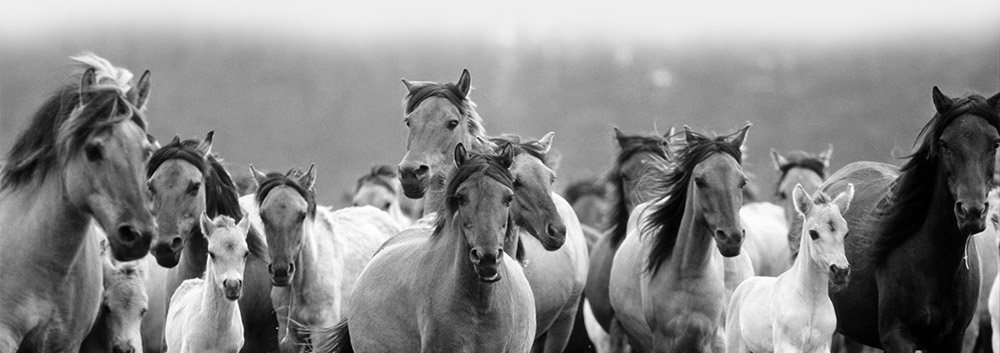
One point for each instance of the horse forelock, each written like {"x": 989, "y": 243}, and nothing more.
{"x": 909, "y": 204}
{"x": 106, "y": 74}
{"x": 669, "y": 211}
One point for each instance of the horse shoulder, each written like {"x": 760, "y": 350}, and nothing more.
{"x": 626, "y": 286}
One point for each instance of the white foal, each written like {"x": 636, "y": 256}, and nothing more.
{"x": 204, "y": 315}
{"x": 793, "y": 312}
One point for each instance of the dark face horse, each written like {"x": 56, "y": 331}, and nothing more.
{"x": 917, "y": 278}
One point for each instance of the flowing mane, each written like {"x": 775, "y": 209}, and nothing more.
{"x": 62, "y": 125}
{"x": 221, "y": 196}
{"x": 630, "y": 146}
{"x": 379, "y": 175}
{"x": 289, "y": 179}
{"x": 801, "y": 159}
{"x": 903, "y": 212}
{"x": 666, "y": 218}
{"x": 490, "y": 167}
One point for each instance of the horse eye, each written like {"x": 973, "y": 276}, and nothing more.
{"x": 699, "y": 182}
{"x": 813, "y": 234}
{"x": 94, "y": 151}
{"x": 743, "y": 183}
{"x": 143, "y": 312}
{"x": 406, "y": 122}
{"x": 517, "y": 183}
{"x": 302, "y": 217}
{"x": 782, "y": 195}
{"x": 996, "y": 145}
{"x": 193, "y": 188}
{"x": 452, "y": 124}
{"x": 943, "y": 145}
{"x": 246, "y": 254}
{"x": 386, "y": 206}
{"x": 211, "y": 255}
{"x": 460, "y": 199}
{"x": 508, "y": 200}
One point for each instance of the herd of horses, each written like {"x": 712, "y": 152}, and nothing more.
{"x": 112, "y": 242}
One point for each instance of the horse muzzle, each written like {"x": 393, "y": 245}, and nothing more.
{"x": 486, "y": 262}
{"x": 232, "y": 288}
{"x": 729, "y": 244}
{"x": 971, "y": 217}
{"x": 839, "y": 276}
{"x": 281, "y": 275}
{"x": 130, "y": 242}
{"x": 415, "y": 179}
{"x": 167, "y": 254}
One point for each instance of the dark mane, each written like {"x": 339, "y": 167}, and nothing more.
{"x": 586, "y": 187}
{"x": 289, "y": 179}
{"x": 221, "y": 195}
{"x": 801, "y": 159}
{"x": 903, "y": 212}
{"x": 379, "y": 175}
{"x": 666, "y": 218}
{"x": 530, "y": 148}
{"x": 448, "y": 91}
{"x": 51, "y": 137}
{"x": 630, "y": 146}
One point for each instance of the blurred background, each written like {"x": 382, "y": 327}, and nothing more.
{"x": 286, "y": 85}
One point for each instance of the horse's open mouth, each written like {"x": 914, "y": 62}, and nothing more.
{"x": 491, "y": 279}
{"x": 488, "y": 274}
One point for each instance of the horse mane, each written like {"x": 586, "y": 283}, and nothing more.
{"x": 903, "y": 212}
{"x": 666, "y": 218}
{"x": 381, "y": 175}
{"x": 630, "y": 146}
{"x": 489, "y": 166}
{"x": 801, "y": 159}
{"x": 289, "y": 179}
{"x": 585, "y": 187}
{"x": 62, "y": 125}
{"x": 448, "y": 91}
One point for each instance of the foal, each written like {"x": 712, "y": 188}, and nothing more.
{"x": 204, "y": 315}
{"x": 793, "y": 312}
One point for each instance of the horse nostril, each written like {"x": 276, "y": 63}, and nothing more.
{"x": 475, "y": 256}
{"x": 556, "y": 231}
{"x": 270, "y": 269}
{"x": 176, "y": 243}
{"x": 291, "y": 268}
{"x": 422, "y": 171}
{"x": 128, "y": 234}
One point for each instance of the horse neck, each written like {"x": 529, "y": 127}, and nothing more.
{"x": 309, "y": 255}
{"x": 692, "y": 252}
{"x": 50, "y": 217}
{"x": 216, "y": 311}
{"x": 194, "y": 255}
{"x": 810, "y": 278}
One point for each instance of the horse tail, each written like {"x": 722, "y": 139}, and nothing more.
{"x": 336, "y": 339}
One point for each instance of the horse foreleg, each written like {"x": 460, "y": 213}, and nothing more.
{"x": 558, "y": 335}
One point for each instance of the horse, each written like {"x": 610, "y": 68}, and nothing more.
{"x": 440, "y": 116}
{"x": 203, "y": 315}
{"x": 589, "y": 198}
{"x": 668, "y": 286}
{"x": 794, "y": 168}
{"x": 793, "y": 312}
{"x": 380, "y": 188}
{"x": 994, "y": 306}
{"x": 78, "y": 162}
{"x": 915, "y": 281}
{"x": 123, "y": 305}
{"x": 316, "y": 254}
{"x": 977, "y": 335}
{"x": 451, "y": 288}
{"x": 185, "y": 179}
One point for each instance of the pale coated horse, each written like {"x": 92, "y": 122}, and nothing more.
{"x": 440, "y": 116}
{"x": 316, "y": 254}
{"x": 793, "y": 312}
{"x": 124, "y": 303}
{"x": 186, "y": 179}
{"x": 78, "y": 162}
{"x": 381, "y": 189}
{"x": 589, "y": 198}
{"x": 798, "y": 168}
{"x": 668, "y": 283}
{"x": 203, "y": 315}
{"x": 994, "y": 304}
{"x": 452, "y": 288}
{"x": 977, "y": 334}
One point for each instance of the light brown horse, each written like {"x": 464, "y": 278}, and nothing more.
{"x": 667, "y": 283}
{"x": 798, "y": 168}
{"x": 78, "y": 162}
{"x": 439, "y": 117}
{"x": 452, "y": 288}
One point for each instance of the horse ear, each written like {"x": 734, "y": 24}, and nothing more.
{"x": 670, "y": 133}
{"x": 619, "y": 136}
{"x": 464, "y": 83}
{"x": 844, "y": 199}
{"x": 205, "y": 146}
{"x": 994, "y": 101}
{"x": 409, "y": 85}
{"x": 546, "y": 142}
{"x": 506, "y": 156}
{"x": 258, "y": 177}
{"x": 801, "y": 199}
{"x": 739, "y": 137}
{"x": 460, "y": 154}
{"x": 143, "y": 91}
{"x": 309, "y": 178}
{"x": 153, "y": 142}
{"x": 175, "y": 140}
{"x": 86, "y": 83}
{"x": 207, "y": 227}
{"x": 244, "y": 225}
{"x": 941, "y": 101}
{"x": 825, "y": 155}
{"x": 778, "y": 160}
{"x": 689, "y": 136}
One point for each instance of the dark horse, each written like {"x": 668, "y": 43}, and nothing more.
{"x": 916, "y": 277}
{"x": 186, "y": 179}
